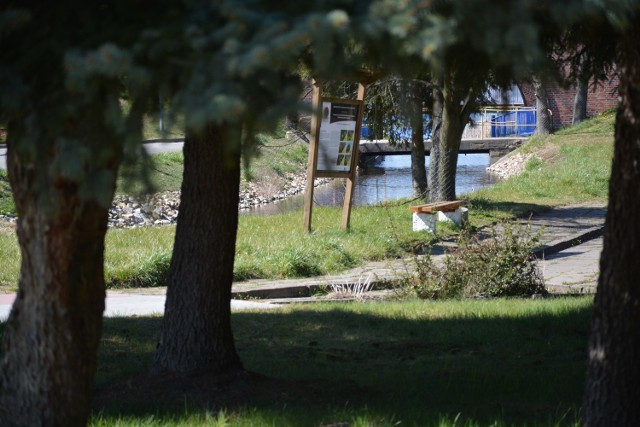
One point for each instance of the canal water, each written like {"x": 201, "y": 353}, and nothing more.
{"x": 387, "y": 178}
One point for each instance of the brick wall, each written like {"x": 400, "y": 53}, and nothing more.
{"x": 561, "y": 100}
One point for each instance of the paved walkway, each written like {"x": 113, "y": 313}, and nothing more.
{"x": 569, "y": 260}
{"x": 128, "y": 304}
{"x": 573, "y": 270}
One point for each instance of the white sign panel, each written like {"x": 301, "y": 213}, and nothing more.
{"x": 337, "y": 135}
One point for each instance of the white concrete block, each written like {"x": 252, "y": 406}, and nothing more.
{"x": 424, "y": 221}
{"x": 464, "y": 217}
{"x": 454, "y": 217}
{"x": 459, "y": 217}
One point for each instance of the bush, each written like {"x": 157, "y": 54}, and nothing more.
{"x": 500, "y": 265}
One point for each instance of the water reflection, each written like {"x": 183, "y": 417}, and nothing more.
{"x": 387, "y": 178}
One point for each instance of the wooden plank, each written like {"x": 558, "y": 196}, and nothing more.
{"x": 313, "y": 155}
{"x": 348, "y": 196}
{"x": 437, "y": 206}
{"x": 440, "y": 206}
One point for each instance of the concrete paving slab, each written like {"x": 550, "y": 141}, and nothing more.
{"x": 568, "y": 224}
{"x": 575, "y": 269}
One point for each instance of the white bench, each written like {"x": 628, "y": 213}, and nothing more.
{"x": 426, "y": 217}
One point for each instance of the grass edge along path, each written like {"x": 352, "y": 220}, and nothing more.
{"x": 418, "y": 363}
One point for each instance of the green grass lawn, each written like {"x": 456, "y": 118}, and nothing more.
{"x": 272, "y": 246}
{"x": 278, "y": 246}
{"x": 410, "y": 363}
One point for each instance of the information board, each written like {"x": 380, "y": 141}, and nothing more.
{"x": 336, "y": 137}
{"x": 333, "y": 149}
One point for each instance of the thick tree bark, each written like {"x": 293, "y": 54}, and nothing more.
{"x": 455, "y": 114}
{"x": 418, "y": 169}
{"x": 580, "y": 101}
{"x": 436, "y": 132}
{"x": 450, "y": 137}
{"x": 52, "y": 335}
{"x": 544, "y": 124}
{"x": 196, "y": 332}
{"x": 611, "y": 395}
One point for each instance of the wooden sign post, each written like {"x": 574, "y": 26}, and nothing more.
{"x": 334, "y": 146}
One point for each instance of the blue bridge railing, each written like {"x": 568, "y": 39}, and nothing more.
{"x": 502, "y": 122}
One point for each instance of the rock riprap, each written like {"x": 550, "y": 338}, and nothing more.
{"x": 510, "y": 165}
{"x": 162, "y": 209}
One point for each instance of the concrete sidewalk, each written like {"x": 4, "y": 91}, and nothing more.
{"x": 569, "y": 261}
{"x": 129, "y": 304}
{"x": 573, "y": 270}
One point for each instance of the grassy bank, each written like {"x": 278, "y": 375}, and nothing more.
{"x": 275, "y": 158}
{"x": 163, "y": 172}
{"x": 412, "y": 363}
{"x": 270, "y": 163}
{"x": 155, "y": 174}
{"x": 571, "y": 166}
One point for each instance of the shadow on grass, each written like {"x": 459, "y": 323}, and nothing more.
{"x": 514, "y": 209}
{"x": 341, "y": 363}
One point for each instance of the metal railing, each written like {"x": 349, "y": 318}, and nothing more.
{"x": 501, "y": 122}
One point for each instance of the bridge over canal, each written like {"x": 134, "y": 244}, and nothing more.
{"x": 495, "y": 147}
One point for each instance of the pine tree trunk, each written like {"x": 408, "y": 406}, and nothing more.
{"x": 418, "y": 169}
{"x": 580, "y": 101}
{"x": 436, "y": 132}
{"x": 454, "y": 118}
{"x": 611, "y": 395}
{"x": 196, "y": 332}
{"x": 52, "y": 334}
{"x": 544, "y": 124}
